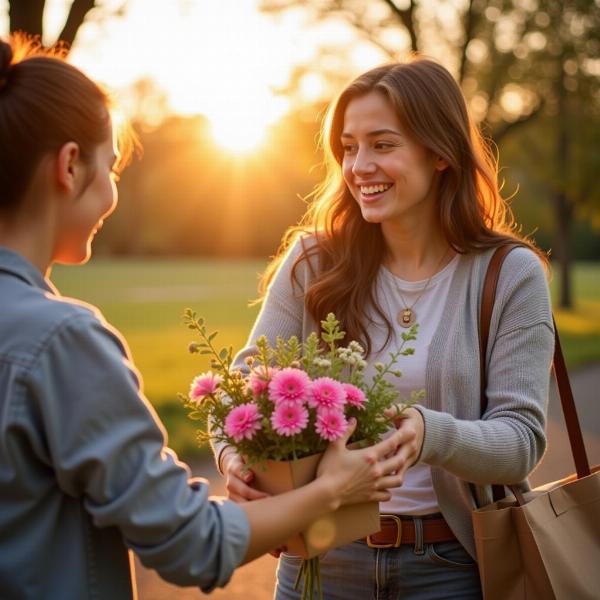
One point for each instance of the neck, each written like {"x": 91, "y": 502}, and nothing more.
{"x": 29, "y": 239}
{"x": 415, "y": 253}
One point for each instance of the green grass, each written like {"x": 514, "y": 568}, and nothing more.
{"x": 580, "y": 327}
{"x": 145, "y": 299}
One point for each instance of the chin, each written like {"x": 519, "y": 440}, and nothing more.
{"x": 372, "y": 217}
{"x": 75, "y": 257}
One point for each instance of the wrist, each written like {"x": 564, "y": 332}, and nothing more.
{"x": 329, "y": 491}
{"x": 225, "y": 452}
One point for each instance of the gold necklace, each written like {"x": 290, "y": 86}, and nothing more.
{"x": 407, "y": 317}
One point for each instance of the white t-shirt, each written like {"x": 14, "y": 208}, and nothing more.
{"x": 416, "y": 495}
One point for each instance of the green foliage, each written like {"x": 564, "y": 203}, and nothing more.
{"x": 318, "y": 357}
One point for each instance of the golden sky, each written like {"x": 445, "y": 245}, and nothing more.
{"x": 221, "y": 58}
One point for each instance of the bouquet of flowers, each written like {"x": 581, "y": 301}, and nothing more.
{"x": 288, "y": 401}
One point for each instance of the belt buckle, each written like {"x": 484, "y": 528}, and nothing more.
{"x": 397, "y": 543}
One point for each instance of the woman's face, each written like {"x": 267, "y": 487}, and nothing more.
{"x": 390, "y": 176}
{"x": 86, "y": 213}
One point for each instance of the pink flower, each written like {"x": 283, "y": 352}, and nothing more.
{"x": 331, "y": 424}
{"x": 289, "y": 385}
{"x": 205, "y": 384}
{"x": 289, "y": 418}
{"x": 354, "y": 396}
{"x": 243, "y": 422}
{"x": 260, "y": 378}
{"x": 327, "y": 393}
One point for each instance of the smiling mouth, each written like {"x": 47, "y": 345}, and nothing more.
{"x": 371, "y": 191}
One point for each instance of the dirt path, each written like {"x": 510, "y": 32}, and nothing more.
{"x": 255, "y": 581}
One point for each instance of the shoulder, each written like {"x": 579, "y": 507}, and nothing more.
{"x": 519, "y": 265}
{"x": 522, "y": 294}
{"x": 298, "y": 264}
{"x": 522, "y": 268}
{"x": 47, "y": 321}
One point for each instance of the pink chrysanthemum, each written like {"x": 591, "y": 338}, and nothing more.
{"x": 289, "y": 418}
{"x": 354, "y": 396}
{"x": 326, "y": 393}
{"x": 204, "y": 384}
{"x": 289, "y": 385}
{"x": 331, "y": 424}
{"x": 260, "y": 378}
{"x": 243, "y": 422}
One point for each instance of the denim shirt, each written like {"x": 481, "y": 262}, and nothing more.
{"x": 85, "y": 476}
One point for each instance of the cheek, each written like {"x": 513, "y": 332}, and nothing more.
{"x": 347, "y": 174}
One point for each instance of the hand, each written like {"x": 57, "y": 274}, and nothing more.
{"x": 238, "y": 478}
{"x": 366, "y": 474}
{"x": 411, "y": 422}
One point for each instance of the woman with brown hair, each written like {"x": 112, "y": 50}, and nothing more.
{"x": 401, "y": 232}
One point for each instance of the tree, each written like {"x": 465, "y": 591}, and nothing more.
{"x": 516, "y": 60}
{"x": 28, "y": 16}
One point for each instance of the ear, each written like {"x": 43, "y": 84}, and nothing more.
{"x": 68, "y": 166}
{"x": 441, "y": 164}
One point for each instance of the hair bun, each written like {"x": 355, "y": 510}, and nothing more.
{"x": 6, "y": 56}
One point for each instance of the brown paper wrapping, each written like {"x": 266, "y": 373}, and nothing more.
{"x": 345, "y": 525}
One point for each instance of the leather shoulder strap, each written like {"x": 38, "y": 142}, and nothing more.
{"x": 488, "y": 297}
{"x": 564, "y": 386}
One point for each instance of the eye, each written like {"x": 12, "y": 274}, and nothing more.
{"x": 349, "y": 148}
{"x": 384, "y": 145}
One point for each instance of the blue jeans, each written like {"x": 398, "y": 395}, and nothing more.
{"x": 437, "y": 571}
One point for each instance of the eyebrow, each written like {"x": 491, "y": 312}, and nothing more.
{"x": 375, "y": 133}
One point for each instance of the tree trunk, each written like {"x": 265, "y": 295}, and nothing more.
{"x": 27, "y": 16}
{"x": 77, "y": 14}
{"x": 564, "y": 211}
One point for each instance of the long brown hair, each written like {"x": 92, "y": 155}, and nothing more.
{"x": 45, "y": 103}
{"x": 472, "y": 213}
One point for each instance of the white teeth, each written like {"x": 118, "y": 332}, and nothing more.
{"x": 374, "y": 189}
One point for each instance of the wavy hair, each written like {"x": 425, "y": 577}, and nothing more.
{"x": 349, "y": 250}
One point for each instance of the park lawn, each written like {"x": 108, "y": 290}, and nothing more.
{"x": 145, "y": 299}
{"x": 579, "y": 327}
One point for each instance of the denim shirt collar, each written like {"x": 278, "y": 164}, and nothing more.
{"x": 15, "y": 264}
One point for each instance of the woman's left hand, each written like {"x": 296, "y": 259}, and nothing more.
{"x": 411, "y": 421}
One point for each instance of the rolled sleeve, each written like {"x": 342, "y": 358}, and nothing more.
{"x": 107, "y": 448}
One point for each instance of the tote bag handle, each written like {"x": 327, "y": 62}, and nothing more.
{"x": 488, "y": 297}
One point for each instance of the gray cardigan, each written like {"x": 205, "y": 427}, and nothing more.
{"x": 466, "y": 453}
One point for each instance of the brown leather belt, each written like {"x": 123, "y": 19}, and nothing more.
{"x": 396, "y": 531}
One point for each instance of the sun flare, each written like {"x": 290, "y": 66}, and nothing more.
{"x": 237, "y": 137}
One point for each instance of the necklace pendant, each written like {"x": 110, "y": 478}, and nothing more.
{"x": 406, "y": 317}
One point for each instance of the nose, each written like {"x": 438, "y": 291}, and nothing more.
{"x": 363, "y": 163}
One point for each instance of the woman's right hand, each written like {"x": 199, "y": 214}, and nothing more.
{"x": 238, "y": 477}
{"x": 366, "y": 474}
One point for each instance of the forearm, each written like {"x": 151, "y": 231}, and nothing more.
{"x": 274, "y": 520}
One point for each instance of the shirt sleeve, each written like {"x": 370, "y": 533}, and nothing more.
{"x": 107, "y": 447}
{"x": 509, "y": 440}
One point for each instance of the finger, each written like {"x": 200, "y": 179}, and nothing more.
{"x": 349, "y": 431}
{"x": 244, "y": 473}
{"x": 236, "y": 498}
{"x": 380, "y": 496}
{"x": 238, "y": 487}
{"x": 390, "y": 444}
{"x": 405, "y": 433}
{"x": 251, "y": 494}
{"x": 390, "y": 481}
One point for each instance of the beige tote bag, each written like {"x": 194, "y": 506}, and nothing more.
{"x": 543, "y": 544}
